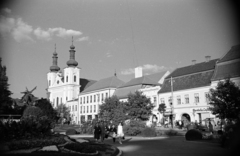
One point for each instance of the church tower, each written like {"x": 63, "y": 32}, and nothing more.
{"x": 72, "y": 76}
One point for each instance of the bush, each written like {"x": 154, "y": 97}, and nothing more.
{"x": 80, "y": 147}
{"x": 171, "y": 132}
{"x": 134, "y": 127}
{"x": 32, "y": 111}
{"x": 149, "y": 132}
{"x": 71, "y": 132}
{"x": 193, "y": 134}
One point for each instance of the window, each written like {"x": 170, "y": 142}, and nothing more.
{"x": 162, "y": 100}
{"x": 57, "y": 81}
{"x": 91, "y": 99}
{"x": 67, "y": 79}
{"x": 75, "y": 107}
{"x": 94, "y": 108}
{"x": 106, "y": 95}
{"x": 72, "y": 108}
{"x": 94, "y": 98}
{"x": 98, "y": 97}
{"x": 83, "y": 109}
{"x": 154, "y": 100}
{"x": 87, "y": 109}
{"x": 57, "y": 101}
{"x": 66, "y": 98}
{"x": 87, "y": 99}
{"x": 207, "y": 97}
{"x": 187, "y": 99}
{"x": 80, "y": 100}
{"x": 49, "y": 82}
{"x": 102, "y": 96}
{"x": 178, "y": 100}
{"x": 196, "y": 97}
{"x": 170, "y": 100}
{"x": 80, "y": 109}
{"x": 84, "y": 100}
{"x": 91, "y": 109}
{"x": 75, "y": 78}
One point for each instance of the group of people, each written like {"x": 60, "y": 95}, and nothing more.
{"x": 103, "y": 130}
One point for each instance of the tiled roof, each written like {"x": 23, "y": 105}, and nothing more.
{"x": 110, "y": 82}
{"x": 199, "y": 67}
{"x": 144, "y": 80}
{"x": 233, "y": 54}
{"x": 122, "y": 93}
{"x": 187, "y": 82}
{"x": 85, "y": 83}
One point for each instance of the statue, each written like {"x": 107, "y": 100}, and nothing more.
{"x": 28, "y": 98}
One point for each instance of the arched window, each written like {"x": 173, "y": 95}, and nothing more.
{"x": 67, "y": 79}
{"x": 75, "y": 78}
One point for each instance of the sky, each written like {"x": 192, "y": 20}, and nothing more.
{"x": 109, "y": 36}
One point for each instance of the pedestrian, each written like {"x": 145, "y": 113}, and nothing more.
{"x": 97, "y": 131}
{"x": 210, "y": 127}
{"x": 120, "y": 133}
{"x": 103, "y": 130}
{"x": 108, "y": 127}
{"x": 113, "y": 132}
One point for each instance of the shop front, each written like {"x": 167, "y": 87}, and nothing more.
{"x": 202, "y": 115}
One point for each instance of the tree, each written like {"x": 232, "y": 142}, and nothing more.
{"x": 112, "y": 109}
{"x": 47, "y": 108}
{"x": 62, "y": 111}
{"x": 225, "y": 100}
{"x": 139, "y": 106}
{"x": 5, "y": 99}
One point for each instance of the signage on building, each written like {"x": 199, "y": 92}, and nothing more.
{"x": 201, "y": 110}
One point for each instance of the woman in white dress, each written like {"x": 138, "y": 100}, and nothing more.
{"x": 120, "y": 133}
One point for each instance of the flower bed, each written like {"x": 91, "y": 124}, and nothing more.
{"x": 83, "y": 148}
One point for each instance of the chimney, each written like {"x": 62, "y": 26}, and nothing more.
{"x": 208, "y": 58}
{"x": 193, "y": 62}
{"x": 138, "y": 72}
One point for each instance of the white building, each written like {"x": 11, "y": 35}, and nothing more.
{"x": 190, "y": 88}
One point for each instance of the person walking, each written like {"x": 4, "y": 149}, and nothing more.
{"x": 113, "y": 133}
{"x": 103, "y": 131}
{"x": 97, "y": 132}
{"x": 108, "y": 127}
{"x": 210, "y": 127}
{"x": 120, "y": 133}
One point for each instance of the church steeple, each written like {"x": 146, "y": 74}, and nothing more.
{"x": 71, "y": 62}
{"x": 54, "y": 67}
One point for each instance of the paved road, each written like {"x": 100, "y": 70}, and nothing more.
{"x": 173, "y": 146}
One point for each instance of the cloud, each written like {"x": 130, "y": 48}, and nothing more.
{"x": 147, "y": 68}
{"x": 21, "y": 31}
{"x": 86, "y": 38}
{"x": 42, "y": 34}
{"x": 7, "y": 10}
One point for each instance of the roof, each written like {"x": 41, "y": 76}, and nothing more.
{"x": 144, "y": 80}
{"x": 233, "y": 54}
{"x": 122, "y": 93}
{"x": 156, "y": 76}
{"x": 199, "y": 67}
{"x": 110, "y": 82}
{"x": 228, "y": 66}
{"x": 188, "y": 81}
{"x": 85, "y": 83}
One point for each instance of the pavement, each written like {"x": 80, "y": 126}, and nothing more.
{"x": 164, "y": 146}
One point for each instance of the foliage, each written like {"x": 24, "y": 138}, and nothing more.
{"x": 32, "y": 143}
{"x": 71, "y": 132}
{"x": 5, "y": 99}
{"x": 149, "y": 132}
{"x": 47, "y": 108}
{"x": 139, "y": 106}
{"x": 225, "y": 100}
{"x": 171, "y": 132}
{"x": 112, "y": 109}
{"x": 62, "y": 111}
{"x": 193, "y": 134}
{"x": 32, "y": 111}
{"x": 162, "y": 108}
{"x": 81, "y": 147}
{"x": 87, "y": 127}
{"x": 134, "y": 127}
{"x": 29, "y": 127}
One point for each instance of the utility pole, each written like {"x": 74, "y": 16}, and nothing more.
{"x": 172, "y": 102}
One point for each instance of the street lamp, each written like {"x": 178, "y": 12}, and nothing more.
{"x": 172, "y": 104}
